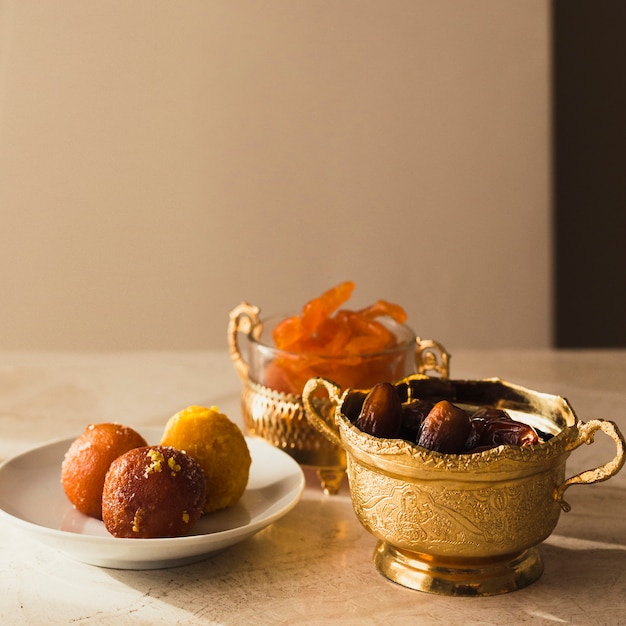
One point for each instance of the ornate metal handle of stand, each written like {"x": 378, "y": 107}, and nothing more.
{"x": 586, "y": 434}
{"x": 431, "y": 358}
{"x": 244, "y": 318}
{"x": 276, "y": 416}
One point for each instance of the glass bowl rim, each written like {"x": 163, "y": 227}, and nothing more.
{"x": 403, "y": 345}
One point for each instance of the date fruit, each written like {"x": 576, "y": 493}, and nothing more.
{"x": 508, "y": 432}
{"x": 381, "y": 414}
{"x": 479, "y": 421}
{"x": 413, "y": 415}
{"x": 494, "y": 427}
{"x": 445, "y": 428}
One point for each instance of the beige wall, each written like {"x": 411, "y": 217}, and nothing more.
{"x": 161, "y": 161}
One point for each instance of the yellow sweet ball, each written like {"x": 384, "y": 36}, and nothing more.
{"x": 220, "y": 448}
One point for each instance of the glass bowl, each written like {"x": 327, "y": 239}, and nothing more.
{"x": 273, "y": 380}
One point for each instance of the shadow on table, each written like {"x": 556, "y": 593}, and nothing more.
{"x": 284, "y": 559}
{"x": 298, "y": 556}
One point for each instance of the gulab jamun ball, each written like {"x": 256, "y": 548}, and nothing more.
{"x": 88, "y": 459}
{"x": 153, "y": 491}
{"x": 219, "y": 446}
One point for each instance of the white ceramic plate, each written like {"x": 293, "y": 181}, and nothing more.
{"x": 32, "y": 498}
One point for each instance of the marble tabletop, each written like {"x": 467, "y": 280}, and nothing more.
{"x": 314, "y": 565}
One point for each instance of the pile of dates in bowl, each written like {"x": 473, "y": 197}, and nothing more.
{"x": 438, "y": 424}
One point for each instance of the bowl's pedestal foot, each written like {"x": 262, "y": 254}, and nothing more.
{"x": 458, "y": 577}
{"x": 331, "y": 479}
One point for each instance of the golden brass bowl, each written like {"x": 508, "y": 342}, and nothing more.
{"x": 466, "y": 524}
{"x": 279, "y": 417}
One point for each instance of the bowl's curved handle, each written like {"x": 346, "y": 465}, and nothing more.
{"x": 313, "y": 407}
{"x": 244, "y": 318}
{"x": 586, "y": 434}
{"x": 431, "y": 356}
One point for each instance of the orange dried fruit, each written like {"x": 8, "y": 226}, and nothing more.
{"x": 326, "y": 340}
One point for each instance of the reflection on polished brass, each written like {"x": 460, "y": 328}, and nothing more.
{"x": 280, "y": 417}
{"x": 458, "y": 577}
{"x": 463, "y": 524}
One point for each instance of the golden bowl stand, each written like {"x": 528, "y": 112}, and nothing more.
{"x": 280, "y": 417}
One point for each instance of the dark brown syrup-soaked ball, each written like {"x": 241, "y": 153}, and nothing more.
{"x": 153, "y": 491}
